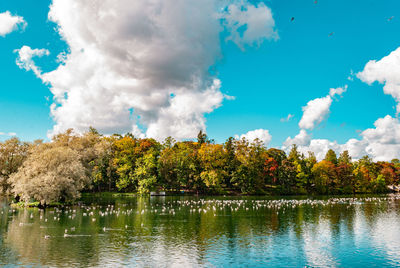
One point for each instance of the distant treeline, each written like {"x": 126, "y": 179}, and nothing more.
{"x": 61, "y": 169}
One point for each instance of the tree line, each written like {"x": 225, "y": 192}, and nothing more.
{"x": 60, "y": 170}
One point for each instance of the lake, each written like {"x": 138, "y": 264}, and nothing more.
{"x": 205, "y": 232}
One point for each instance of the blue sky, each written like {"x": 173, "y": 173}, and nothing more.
{"x": 282, "y": 76}
{"x": 269, "y": 80}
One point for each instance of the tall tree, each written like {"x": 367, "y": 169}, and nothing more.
{"x": 331, "y": 157}
{"x": 13, "y": 153}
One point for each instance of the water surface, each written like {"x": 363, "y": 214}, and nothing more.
{"x": 205, "y": 231}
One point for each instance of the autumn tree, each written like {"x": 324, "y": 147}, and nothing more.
{"x": 249, "y": 176}
{"x": 331, "y": 157}
{"x": 365, "y": 171}
{"x": 344, "y": 169}
{"x": 179, "y": 166}
{"x": 13, "y": 153}
{"x": 303, "y": 169}
{"x": 213, "y": 162}
{"x": 324, "y": 175}
{"x": 104, "y": 173}
{"x": 136, "y": 161}
{"x": 50, "y": 173}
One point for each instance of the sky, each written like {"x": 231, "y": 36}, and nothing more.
{"x": 320, "y": 74}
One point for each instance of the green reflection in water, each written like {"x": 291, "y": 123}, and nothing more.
{"x": 210, "y": 231}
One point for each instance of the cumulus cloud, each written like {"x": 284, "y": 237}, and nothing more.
{"x": 382, "y": 142}
{"x": 261, "y": 134}
{"x": 385, "y": 71}
{"x": 303, "y": 138}
{"x": 317, "y": 110}
{"x": 320, "y": 147}
{"x": 313, "y": 114}
{"x": 10, "y": 23}
{"x": 25, "y": 58}
{"x": 141, "y": 66}
{"x": 249, "y": 24}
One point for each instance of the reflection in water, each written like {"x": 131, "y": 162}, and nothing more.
{"x": 192, "y": 231}
{"x": 317, "y": 241}
{"x": 386, "y": 236}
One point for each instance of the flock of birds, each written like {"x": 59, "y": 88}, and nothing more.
{"x": 160, "y": 206}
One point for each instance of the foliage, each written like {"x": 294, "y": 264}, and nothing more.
{"x": 13, "y": 153}
{"x": 50, "y": 174}
{"x": 71, "y": 163}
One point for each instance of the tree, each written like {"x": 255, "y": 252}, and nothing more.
{"x": 345, "y": 177}
{"x": 231, "y": 160}
{"x": 104, "y": 173}
{"x": 201, "y": 137}
{"x": 324, "y": 177}
{"x": 294, "y": 154}
{"x": 388, "y": 171}
{"x": 50, "y": 173}
{"x": 146, "y": 172}
{"x": 287, "y": 177}
{"x": 84, "y": 145}
{"x": 364, "y": 172}
{"x": 344, "y": 158}
{"x": 13, "y": 153}
{"x": 179, "y": 167}
{"x": 130, "y": 156}
{"x": 303, "y": 169}
{"x": 378, "y": 184}
{"x": 249, "y": 176}
{"x": 331, "y": 157}
{"x": 213, "y": 162}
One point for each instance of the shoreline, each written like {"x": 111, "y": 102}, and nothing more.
{"x": 84, "y": 196}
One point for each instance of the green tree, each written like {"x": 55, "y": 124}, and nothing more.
{"x": 324, "y": 176}
{"x": 104, "y": 173}
{"x": 213, "y": 162}
{"x": 146, "y": 172}
{"x": 331, "y": 157}
{"x": 231, "y": 161}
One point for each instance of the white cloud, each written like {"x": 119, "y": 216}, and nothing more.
{"x": 320, "y": 147}
{"x": 382, "y": 142}
{"x": 8, "y": 134}
{"x": 287, "y": 118}
{"x": 24, "y": 59}
{"x": 249, "y": 24}
{"x": 385, "y": 71}
{"x": 9, "y": 23}
{"x": 337, "y": 91}
{"x": 316, "y": 110}
{"x": 303, "y": 138}
{"x": 261, "y": 134}
{"x": 313, "y": 114}
{"x": 139, "y": 66}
